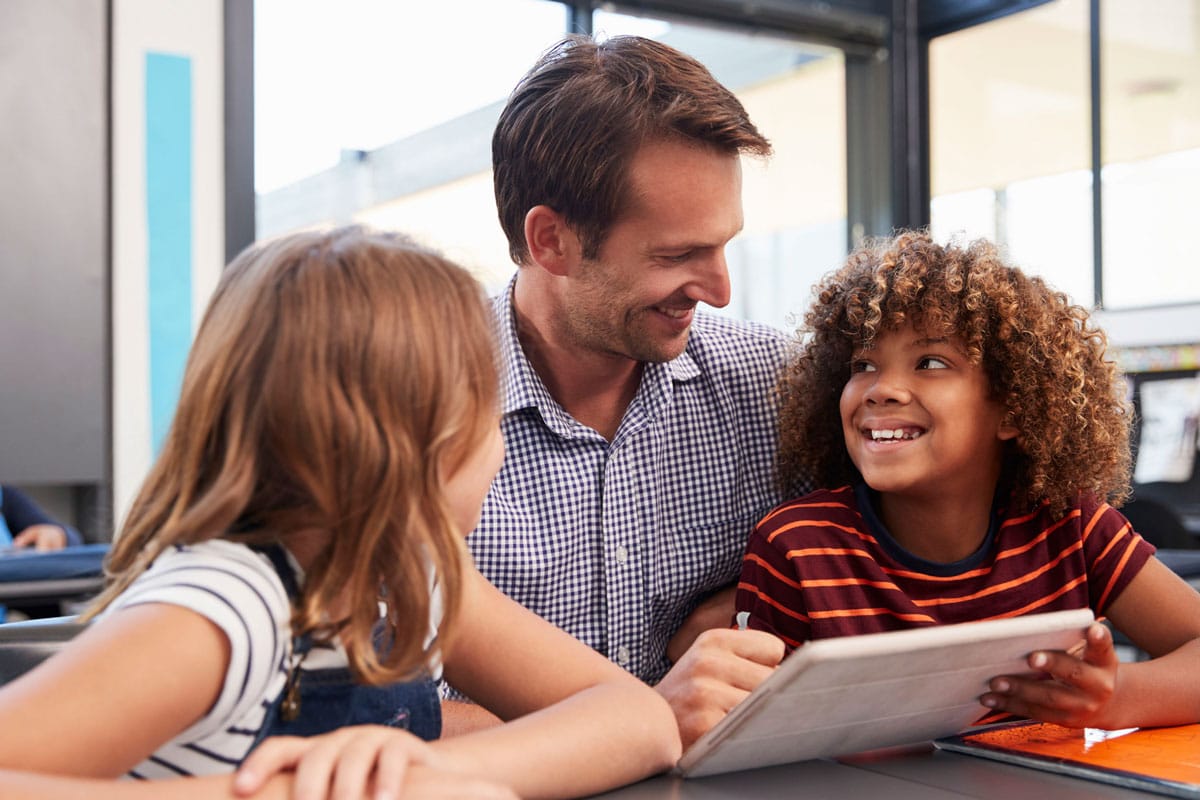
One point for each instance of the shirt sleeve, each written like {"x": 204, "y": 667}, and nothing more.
{"x": 769, "y": 590}
{"x": 1115, "y": 553}
{"x": 239, "y": 592}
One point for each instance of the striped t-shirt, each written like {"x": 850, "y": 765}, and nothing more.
{"x": 825, "y": 566}
{"x": 238, "y": 590}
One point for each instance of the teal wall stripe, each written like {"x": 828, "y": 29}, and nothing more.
{"x": 169, "y": 231}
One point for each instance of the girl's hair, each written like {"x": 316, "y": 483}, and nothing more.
{"x": 1044, "y": 359}
{"x": 336, "y": 379}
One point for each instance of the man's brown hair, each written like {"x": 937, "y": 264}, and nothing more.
{"x": 570, "y": 129}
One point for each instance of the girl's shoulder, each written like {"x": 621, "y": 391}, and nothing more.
{"x": 217, "y": 578}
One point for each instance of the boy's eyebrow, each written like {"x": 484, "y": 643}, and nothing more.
{"x": 931, "y": 340}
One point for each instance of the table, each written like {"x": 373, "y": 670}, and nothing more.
{"x": 71, "y": 573}
{"x": 915, "y": 773}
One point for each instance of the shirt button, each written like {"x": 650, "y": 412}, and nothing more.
{"x": 621, "y": 554}
{"x": 623, "y": 656}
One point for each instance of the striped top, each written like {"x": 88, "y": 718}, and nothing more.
{"x": 825, "y": 566}
{"x": 238, "y": 590}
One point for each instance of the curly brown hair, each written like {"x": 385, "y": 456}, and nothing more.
{"x": 1044, "y": 358}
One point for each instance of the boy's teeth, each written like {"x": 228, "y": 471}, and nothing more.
{"x": 898, "y": 433}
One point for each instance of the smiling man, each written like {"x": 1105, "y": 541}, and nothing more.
{"x": 640, "y": 432}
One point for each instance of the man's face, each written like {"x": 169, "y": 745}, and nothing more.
{"x": 665, "y": 253}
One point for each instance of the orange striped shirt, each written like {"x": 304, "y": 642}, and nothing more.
{"x": 825, "y": 566}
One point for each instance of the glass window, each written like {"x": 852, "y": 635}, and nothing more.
{"x": 1010, "y": 143}
{"x": 1150, "y": 107}
{"x": 382, "y": 112}
{"x": 795, "y": 202}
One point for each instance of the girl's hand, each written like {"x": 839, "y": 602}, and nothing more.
{"x": 339, "y": 765}
{"x": 1074, "y": 690}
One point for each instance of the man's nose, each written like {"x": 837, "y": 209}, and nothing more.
{"x": 710, "y": 284}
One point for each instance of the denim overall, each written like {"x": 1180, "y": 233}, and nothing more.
{"x": 330, "y": 698}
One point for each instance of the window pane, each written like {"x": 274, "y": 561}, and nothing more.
{"x": 382, "y": 112}
{"x": 1150, "y": 79}
{"x": 1010, "y": 146}
{"x": 795, "y": 202}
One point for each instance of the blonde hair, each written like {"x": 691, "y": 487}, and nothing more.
{"x": 1045, "y": 359}
{"x": 336, "y": 379}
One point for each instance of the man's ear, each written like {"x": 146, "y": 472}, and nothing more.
{"x": 552, "y": 244}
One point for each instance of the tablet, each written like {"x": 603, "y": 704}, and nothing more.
{"x": 840, "y": 696}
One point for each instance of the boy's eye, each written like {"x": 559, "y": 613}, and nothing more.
{"x": 861, "y": 366}
{"x": 932, "y": 362}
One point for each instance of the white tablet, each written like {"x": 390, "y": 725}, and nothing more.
{"x": 840, "y": 696}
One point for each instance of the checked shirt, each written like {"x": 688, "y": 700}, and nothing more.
{"x": 618, "y": 542}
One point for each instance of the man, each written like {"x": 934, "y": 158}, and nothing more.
{"x": 640, "y": 434}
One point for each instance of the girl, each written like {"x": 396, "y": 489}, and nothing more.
{"x": 334, "y": 439}
{"x": 982, "y": 436}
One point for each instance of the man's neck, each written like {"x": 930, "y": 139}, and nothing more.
{"x": 594, "y": 388}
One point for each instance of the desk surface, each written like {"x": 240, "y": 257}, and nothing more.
{"x": 920, "y": 773}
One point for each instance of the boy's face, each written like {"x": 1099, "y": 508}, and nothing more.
{"x": 919, "y": 419}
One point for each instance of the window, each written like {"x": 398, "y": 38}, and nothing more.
{"x": 1150, "y": 81}
{"x": 381, "y": 112}
{"x": 1010, "y": 146}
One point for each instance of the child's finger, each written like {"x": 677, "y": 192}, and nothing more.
{"x": 391, "y": 768}
{"x": 276, "y": 754}
{"x": 314, "y": 772}
{"x": 352, "y": 767}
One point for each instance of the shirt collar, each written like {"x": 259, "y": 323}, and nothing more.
{"x": 522, "y": 388}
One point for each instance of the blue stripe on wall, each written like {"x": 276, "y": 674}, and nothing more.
{"x": 169, "y": 231}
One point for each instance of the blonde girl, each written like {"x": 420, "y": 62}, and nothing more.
{"x": 334, "y": 439}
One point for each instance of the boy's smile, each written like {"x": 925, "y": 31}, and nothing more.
{"x": 919, "y": 418}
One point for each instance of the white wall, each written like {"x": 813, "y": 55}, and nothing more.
{"x": 191, "y": 30}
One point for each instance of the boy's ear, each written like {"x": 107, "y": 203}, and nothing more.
{"x": 552, "y": 244}
{"x": 1007, "y": 430}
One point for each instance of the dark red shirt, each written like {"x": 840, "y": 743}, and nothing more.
{"x": 825, "y": 566}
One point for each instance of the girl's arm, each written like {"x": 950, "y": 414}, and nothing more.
{"x": 128, "y": 683}
{"x": 1160, "y": 613}
{"x": 422, "y": 782}
{"x": 580, "y": 724}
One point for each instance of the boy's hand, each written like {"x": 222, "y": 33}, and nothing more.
{"x": 1074, "y": 690}
{"x": 341, "y": 764}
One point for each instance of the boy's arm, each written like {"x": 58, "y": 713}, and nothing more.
{"x": 1160, "y": 613}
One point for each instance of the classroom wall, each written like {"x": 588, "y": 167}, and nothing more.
{"x": 167, "y": 212}
{"x": 53, "y": 242}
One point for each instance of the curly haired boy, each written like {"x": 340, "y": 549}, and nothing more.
{"x": 983, "y": 437}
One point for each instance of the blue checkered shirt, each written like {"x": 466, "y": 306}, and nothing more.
{"x": 618, "y": 542}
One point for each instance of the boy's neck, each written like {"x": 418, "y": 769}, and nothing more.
{"x": 939, "y": 529}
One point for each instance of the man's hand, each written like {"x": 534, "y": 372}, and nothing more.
{"x": 715, "y": 674}
{"x": 716, "y": 611}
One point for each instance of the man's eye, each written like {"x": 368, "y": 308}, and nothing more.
{"x": 932, "y": 362}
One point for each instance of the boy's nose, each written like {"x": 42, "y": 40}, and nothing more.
{"x": 887, "y": 388}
